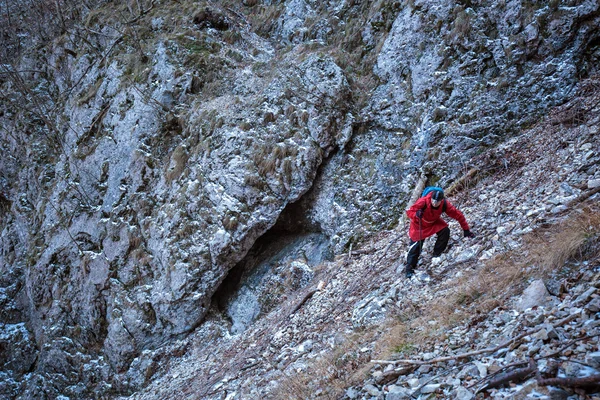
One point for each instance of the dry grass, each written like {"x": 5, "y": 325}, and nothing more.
{"x": 179, "y": 159}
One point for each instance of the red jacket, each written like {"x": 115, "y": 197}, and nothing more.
{"x": 432, "y": 221}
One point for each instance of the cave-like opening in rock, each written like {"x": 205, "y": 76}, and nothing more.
{"x": 280, "y": 262}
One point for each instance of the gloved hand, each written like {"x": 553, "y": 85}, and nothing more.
{"x": 419, "y": 213}
{"x": 469, "y": 234}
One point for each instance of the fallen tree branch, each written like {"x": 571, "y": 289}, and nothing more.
{"x": 516, "y": 364}
{"x": 307, "y": 296}
{"x": 589, "y": 381}
{"x": 515, "y": 376}
{"x": 582, "y": 197}
{"x": 496, "y": 373}
{"x": 394, "y": 374}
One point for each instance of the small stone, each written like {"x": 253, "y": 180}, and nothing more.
{"x": 585, "y": 296}
{"x": 586, "y": 146}
{"x": 469, "y": 370}
{"x": 542, "y": 334}
{"x": 533, "y": 350}
{"x": 424, "y": 369}
{"x": 559, "y": 209}
{"x": 352, "y": 393}
{"x": 594, "y": 305}
{"x": 397, "y": 393}
{"x": 535, "y": 295}
{"x": 593, "y": 359}
{"x": 413, "y": 383}
{"x": 482, "y": 368}
{"x": 432, "y": 388}
{"x": 372, "y": 390}
{"x": 306, "y": 347}
{"x": 463, "y": 394}
{"x": 593, "y": 183}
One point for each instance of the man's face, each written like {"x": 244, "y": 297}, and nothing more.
{"x": 435, "y": 203}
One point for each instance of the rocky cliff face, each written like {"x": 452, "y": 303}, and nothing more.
{"x": 148, "y": 146}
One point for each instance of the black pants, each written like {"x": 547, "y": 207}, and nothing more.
{"x": 414, "y": 250}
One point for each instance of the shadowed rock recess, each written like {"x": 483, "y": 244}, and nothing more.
{"x": 205, "y": 199}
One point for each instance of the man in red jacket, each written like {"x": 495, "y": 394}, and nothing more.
{"x": 425, "y": 220}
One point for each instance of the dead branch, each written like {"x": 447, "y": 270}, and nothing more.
{"x": 552, "y": 355}
{"x": 583, "y": 196}
{"x": 394, "y": 374}
{"x": 499, "y": 372}
{"x": 307, "y": 296}
{"x": 590, "y": 381}
{"x": 418, "y": 189}
{"x": 515, "y": 376}
{"x": 363, "y": 251}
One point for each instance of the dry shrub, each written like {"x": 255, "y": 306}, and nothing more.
{"x": 179, "y": 159}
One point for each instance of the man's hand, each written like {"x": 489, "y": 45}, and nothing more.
{"x": 419, "y": 214}
{"x": 469, "y": 234}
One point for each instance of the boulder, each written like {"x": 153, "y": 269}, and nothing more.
{"x": 535, "y": 295}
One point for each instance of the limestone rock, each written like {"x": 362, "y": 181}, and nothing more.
{"x": 536, "y": 294}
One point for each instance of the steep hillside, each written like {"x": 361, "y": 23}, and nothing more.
{"x": 534, "y": 207}
{"x": 179, "y": 176}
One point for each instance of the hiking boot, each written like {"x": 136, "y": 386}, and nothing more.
{"x": 435, "y": 261}
{"x": 409, "y": 271}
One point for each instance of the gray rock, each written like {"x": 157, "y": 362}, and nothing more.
{"x": 542, "y": 334}
{"x": 585, "y": 296}
{"x": 369, "y": 311}
{"x": 593, "y": 359}
{"x": 469, "y": 370}
{"x": 397, "y": 393}
{"x": 352, "y": 393}
{"x": 372, "y": 390}
{"x": 431, "y": 388}
{"x": 594, "y": 305}
{"x": 463, "y": 393}
{"x": 536, "y": 294}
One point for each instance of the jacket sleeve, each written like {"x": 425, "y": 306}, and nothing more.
{"x": 455, "y": 213}
{"x": 419, "y": 205}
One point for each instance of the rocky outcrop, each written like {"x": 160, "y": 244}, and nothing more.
{"x": 453, "y": 80}
{"x": 156, "y": 193}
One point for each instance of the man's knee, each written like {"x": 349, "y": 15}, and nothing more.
{"x": 444, "y": 234}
